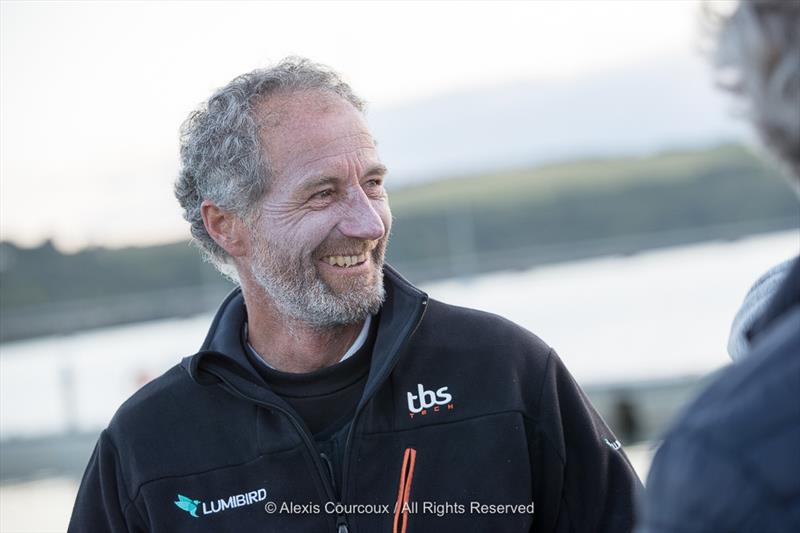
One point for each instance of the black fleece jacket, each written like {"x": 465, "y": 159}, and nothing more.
{"x": 467, "y": 423}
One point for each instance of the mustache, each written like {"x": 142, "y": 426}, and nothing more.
{"x": 348, "y": 247}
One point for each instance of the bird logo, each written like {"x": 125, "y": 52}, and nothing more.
{"x": 187, "y": 504}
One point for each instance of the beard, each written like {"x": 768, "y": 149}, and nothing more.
{"x": 293, "y": 281}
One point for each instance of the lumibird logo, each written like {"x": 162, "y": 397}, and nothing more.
{"x": 237, "y": 500}
{"x": 187, "y": 504}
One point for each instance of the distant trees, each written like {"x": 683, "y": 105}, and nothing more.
{"x": 462, "y": 226}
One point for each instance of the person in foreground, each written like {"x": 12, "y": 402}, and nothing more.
{"x": 732, "y": 462}
{"x": 331, "y": 394}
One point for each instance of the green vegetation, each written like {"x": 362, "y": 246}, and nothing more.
{"x": 43, "y": 275}
{"x": 519, "y": 187}
{"x": 470, "y": 224}
{"x": 585, "y": 201}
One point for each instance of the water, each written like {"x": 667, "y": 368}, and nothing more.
{"x": 655, "y": 315}
{"x": 613, "y": 320}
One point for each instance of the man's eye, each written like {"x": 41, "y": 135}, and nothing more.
{"x": 323, "y": 194}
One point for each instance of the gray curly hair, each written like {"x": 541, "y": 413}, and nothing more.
{"x": 758, "y": 56}
{"x": 222, "y": 159}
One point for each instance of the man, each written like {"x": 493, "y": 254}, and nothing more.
{"x": 330, "y": 394}
{"x": 732, "y": 462}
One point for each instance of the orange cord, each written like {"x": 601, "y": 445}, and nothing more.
{"x": 404, "y": 490}
{"x": 406, "y": 494}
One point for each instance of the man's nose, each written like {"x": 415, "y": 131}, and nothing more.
{"x": 360, "y": 220}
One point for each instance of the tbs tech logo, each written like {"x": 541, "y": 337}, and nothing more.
{"x": 426, "y": 401}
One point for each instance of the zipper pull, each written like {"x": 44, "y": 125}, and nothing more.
{"x": 328, "y": 463}
{"x": 341, "y": 523}
{"x": 341, "y": 520}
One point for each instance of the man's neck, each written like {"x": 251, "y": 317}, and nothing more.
{"x": 291, "y": 345}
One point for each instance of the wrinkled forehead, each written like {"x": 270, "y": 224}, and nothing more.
{"x": 301, "y": 131}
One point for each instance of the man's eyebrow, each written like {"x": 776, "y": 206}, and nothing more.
{"x": 376, "y": 170}
{"x": 319, "y": 181}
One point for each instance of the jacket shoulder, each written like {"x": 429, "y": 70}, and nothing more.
{"x": 157, "y": 429}
{"x": 740, "y": 432}
{"x": 150, "y": 402}
{"x": 757, "y": 394}
{"x": 479, "y": 330}
{"x": 478, "y": 346}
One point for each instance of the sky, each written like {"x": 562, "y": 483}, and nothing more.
{"x": 92, "y": 94}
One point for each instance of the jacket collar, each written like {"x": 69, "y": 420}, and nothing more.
{"x": 787, "y": 297}
{"x": 222, "y": 356}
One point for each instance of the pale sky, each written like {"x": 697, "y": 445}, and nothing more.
{"x": 92, "y": 94}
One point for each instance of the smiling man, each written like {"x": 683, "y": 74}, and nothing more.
{"x": 330, "y": 394}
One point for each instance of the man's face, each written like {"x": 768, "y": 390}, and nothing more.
{"x": 319, "y": 234}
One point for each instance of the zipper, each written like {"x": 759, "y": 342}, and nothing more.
{"x": 404, "y": 337}
{"x": 341, "y": 519}
{"x": 317, "y": 457}
{"x": 342, "y": 525}
{"x": 328, "y": 463}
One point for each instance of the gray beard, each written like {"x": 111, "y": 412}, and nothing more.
{"x": 302, "y": 294}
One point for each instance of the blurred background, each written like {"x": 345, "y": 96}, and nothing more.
{"x": 568, "y": 165}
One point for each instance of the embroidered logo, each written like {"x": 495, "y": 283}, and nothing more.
{"x": 222, "y": 504}
{"x": 422, "y": 402}
{"x": 187, "y": 504}
{"x": 616, "y": 445}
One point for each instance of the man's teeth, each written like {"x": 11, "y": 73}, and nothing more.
{"x": 345, "y": 260}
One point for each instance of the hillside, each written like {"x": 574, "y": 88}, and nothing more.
{"x": 543, "y": 183}
{"x": 458, "y": 226}
{"x": 577, "y": 209}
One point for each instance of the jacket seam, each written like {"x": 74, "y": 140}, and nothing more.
{"x": 118, "y": 464}
{"x": 544, "y": 380}
{"x": 541, "y": 429}
{"x": 549, "y": 438}
{"x": 483, "y": 415}
{"x": 206, "y": 471}
{"x": 135, "y": 509}
{"x": 534, "y": 421}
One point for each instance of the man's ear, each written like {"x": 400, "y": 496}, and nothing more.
{"x": 225, "y": 228}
